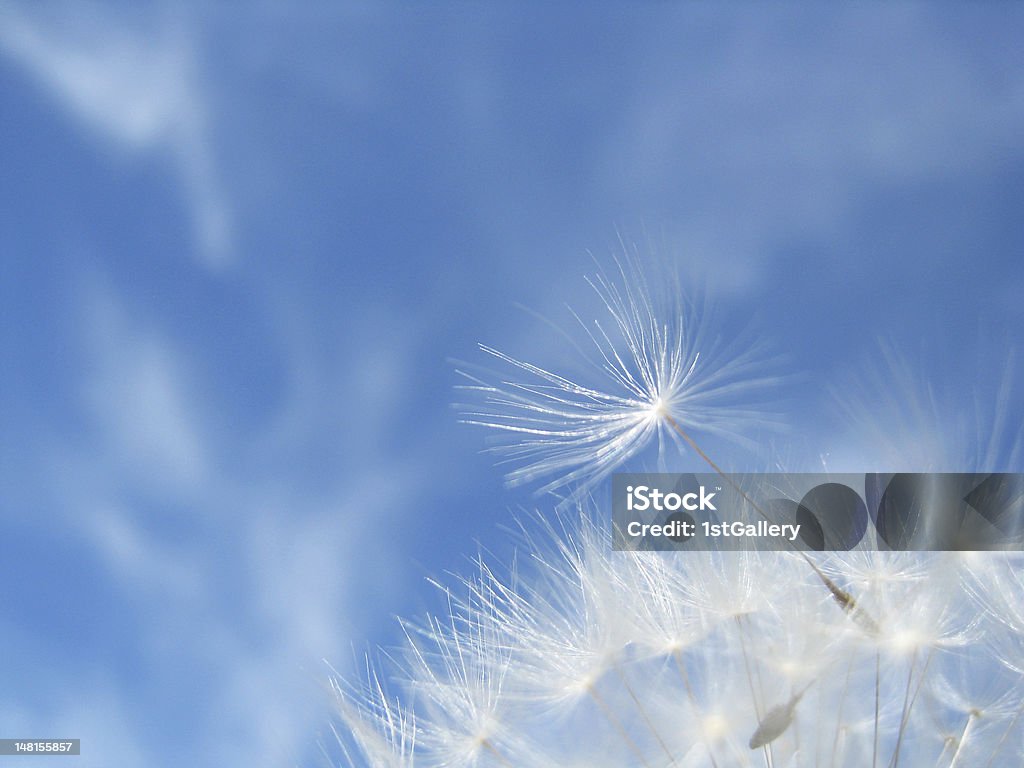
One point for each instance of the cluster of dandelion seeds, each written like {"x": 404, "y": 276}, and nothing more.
{"x": 578, "y": 655}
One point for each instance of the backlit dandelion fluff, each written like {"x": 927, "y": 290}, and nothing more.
{"x": 589, "y": 657}
{"x": 583, "y": 656}
{"x": 379, "y": 729}
{"x": 655, "y": 374}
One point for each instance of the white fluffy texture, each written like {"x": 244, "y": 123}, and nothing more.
{"x": 614, "y": 659}
{"x": 647, "y": 363}
{"x": 601, "y": 658}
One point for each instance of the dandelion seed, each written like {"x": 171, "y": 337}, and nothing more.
{"x": 382, "y": 729}
{"x": 653, "y": 374}
{"x": 776, "y": 722}
{"x": 460, "y": 671}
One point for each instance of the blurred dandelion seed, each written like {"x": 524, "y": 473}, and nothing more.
{"x": 776, "y": 721}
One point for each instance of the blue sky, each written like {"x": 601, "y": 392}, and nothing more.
{"x": 239, "y": 247}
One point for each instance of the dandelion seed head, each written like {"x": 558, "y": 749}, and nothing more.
{"x": 715, "y": 727}
{"x": 591, "y": 657}
{"x": 906, "y": 421}
{"x": 588, "y": 657}
{"x": 658, "y": 409}
{"x": 908, "y": 639}
{"x": 650, "y": 368}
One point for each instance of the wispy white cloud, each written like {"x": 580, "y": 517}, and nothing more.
{"x": 136, "y": 88}
{"x": 137, "y": 391}
{"x": 240, "y": 582}
{"x": 782, "y": 121}
{"x": 138, "y": 558}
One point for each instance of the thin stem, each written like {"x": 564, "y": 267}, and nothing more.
{"x": 844, "y": 599}
{"x": 839, "y": 712}
{"x": 946, "y": 743}
{"x": 643, "y": 714}
{"x": 878, "y": 669}
{"x": 753, "y": 694}
{"x": 678, "y": 656}
{"x": 842, "y": 740}
{"x": 974, "y": 714}
{"x": 610, "y": 715}
{"x": 796, "y": 739}
{"x": 741, "y": 620}
{"x": 1005, "y": 736}
{"x": 486, "y": 744}
{"x": 746, "y": 665}
{"x": 907, "y": 709}
{"x": 895, "y": 761}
